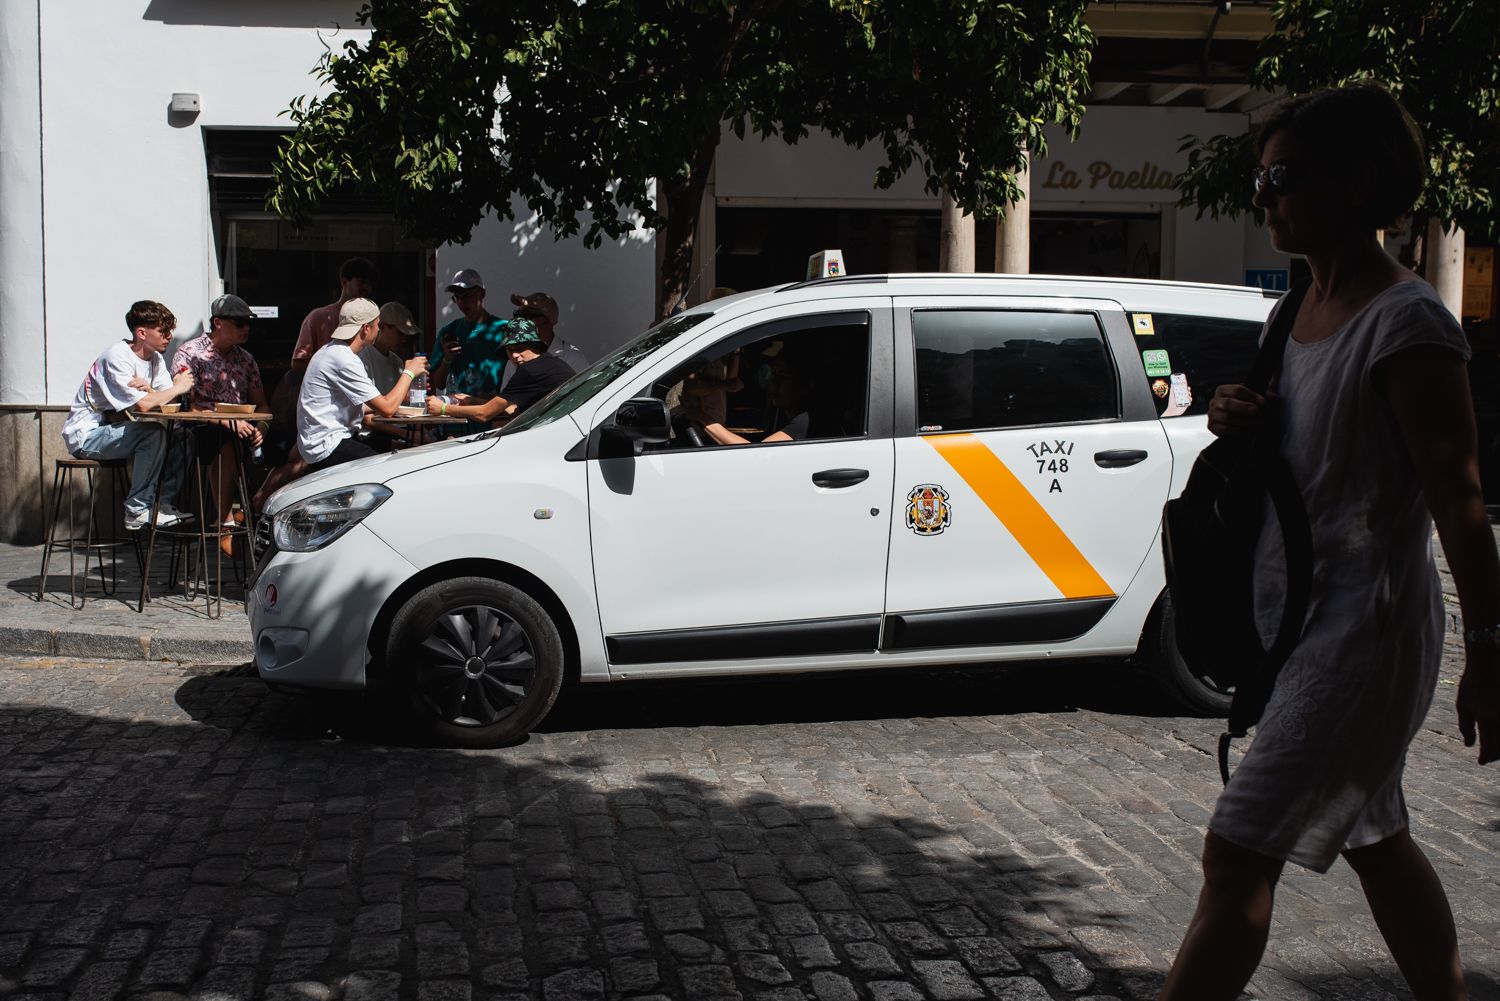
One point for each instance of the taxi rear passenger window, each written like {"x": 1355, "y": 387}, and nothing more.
{"x": 1209, "y": 350}
{"x": 981, "y": 369}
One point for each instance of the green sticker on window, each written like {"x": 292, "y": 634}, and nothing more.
{"x": 1157, "y": 363}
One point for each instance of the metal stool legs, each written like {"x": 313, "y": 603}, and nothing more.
{"x": 61, "y": 482}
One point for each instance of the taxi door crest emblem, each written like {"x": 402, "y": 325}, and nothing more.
{"x": 927, "y": 510}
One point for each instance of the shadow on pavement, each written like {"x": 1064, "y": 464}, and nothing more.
{"x": 1111, "y": 687}
{"x": 253, "y": 856}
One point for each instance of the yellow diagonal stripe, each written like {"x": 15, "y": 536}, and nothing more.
{"x": 1022, "y": 516}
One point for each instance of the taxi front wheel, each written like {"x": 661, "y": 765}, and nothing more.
{"x": 1196, "y": 694}
{"x": 478, "y": 662}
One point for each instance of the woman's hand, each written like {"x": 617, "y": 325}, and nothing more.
{"x": 1479, "y": 702}
{"x": 1234, "y": 410}
{"x": 434, "y": 406}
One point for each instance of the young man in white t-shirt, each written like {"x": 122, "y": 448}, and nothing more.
{"x": 336, "y": 391}
{"x": 132, "y": 375}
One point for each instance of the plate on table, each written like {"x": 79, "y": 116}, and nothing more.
{"x": 234, "y": 408}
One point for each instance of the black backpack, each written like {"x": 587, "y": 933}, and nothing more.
{"x": 1209, "y": 535}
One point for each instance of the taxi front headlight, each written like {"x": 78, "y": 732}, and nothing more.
{"x": 312, "y": 523}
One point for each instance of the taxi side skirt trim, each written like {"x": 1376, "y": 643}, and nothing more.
{"x": 846, "y": 634}
{"x": 994, "y": 625}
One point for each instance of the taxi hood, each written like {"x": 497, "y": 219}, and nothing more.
{"x": 379, "y": 469}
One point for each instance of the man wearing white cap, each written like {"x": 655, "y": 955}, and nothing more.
{"x": 336, "y": 391}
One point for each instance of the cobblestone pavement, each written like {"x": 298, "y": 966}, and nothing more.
{"x": 171, "y": 831}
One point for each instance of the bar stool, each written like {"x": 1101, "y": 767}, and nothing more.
{"x": 62, "y": 481}
{"x": 201, "y": 570}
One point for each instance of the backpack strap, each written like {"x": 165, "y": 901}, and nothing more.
{"x": 1268, "y": 358}
{"x": 1250, "y": 698}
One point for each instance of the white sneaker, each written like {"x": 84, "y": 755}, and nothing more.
{"x": 134, "y": 523}
{"x": 176, "y": 514}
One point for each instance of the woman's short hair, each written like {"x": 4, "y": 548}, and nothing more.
{"x": 1358, "y": 129}
{"x": 149, "y": 314}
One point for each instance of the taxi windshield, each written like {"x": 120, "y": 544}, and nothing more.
{"x": 584, "y": 385}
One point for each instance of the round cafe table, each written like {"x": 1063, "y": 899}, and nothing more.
{"x": 419, "y": 421}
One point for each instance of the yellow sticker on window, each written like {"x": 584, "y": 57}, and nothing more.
{"x": 1142, "y": 324}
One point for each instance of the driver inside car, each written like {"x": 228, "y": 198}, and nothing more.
{"x": 795, "y": 390}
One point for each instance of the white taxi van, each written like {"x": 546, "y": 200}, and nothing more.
{"x": 838, "y": 474}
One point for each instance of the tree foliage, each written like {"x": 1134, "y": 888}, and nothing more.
{"x": 453, "y": 107}
{"x": 1440, "y": 58}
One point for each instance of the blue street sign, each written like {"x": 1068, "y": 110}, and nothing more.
{"x": 1272, "y": 279}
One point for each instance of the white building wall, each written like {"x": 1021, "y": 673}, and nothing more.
{"x": 126, "y": 200}
{"x": 604, "y": 296}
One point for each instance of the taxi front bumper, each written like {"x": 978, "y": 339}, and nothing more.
{"x": 311, "y": 613}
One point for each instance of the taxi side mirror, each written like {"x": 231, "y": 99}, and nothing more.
{"x": 644, "y": 419}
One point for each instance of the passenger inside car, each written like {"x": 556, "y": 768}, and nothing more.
{"x": 803, "y": 385}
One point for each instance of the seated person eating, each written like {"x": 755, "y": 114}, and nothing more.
{"x": 537, "y": 374}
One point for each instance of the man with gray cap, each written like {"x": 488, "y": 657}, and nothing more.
{"x": 468, "y": 358}
{"x": 336, "y": 391}
{"x": 223, "y": 372}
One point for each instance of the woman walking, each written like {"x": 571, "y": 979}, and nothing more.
{"x": 1379, "y": 433}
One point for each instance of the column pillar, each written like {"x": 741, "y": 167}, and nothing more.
{"x": 23, "y": 328}
{"x": 956, "y": 241}
{"x": 1444, "y": 264}
{"x": 1013, "y": 230}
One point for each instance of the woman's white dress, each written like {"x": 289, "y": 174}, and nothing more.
{"x": 1323, "y": 772}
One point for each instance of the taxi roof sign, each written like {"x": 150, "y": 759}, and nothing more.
{"x": 826, "y": 264}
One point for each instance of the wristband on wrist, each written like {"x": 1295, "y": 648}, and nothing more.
{"x": 407, "y": 373}
{"x": 444, "y": 411}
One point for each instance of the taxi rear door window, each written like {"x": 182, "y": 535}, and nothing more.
{"x": 981, "y": 369}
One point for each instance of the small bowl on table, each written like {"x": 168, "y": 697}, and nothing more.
{"x": 170, "y": 408}
{"x": 407, "y": 411}
{"x": 234, "y": 408}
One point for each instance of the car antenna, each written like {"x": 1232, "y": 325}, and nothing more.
{"x": 692, "y": 285}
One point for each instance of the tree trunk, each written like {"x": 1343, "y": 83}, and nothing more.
{"x": 681, "y": 203}
{"x": 956, "y": 244}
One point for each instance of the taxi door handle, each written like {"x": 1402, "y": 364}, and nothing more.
{"x": 1118, "y": 458}
{"x": 840, "y": 477}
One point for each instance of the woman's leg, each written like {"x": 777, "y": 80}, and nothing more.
{"x": 1227, "y": 935}
{"x": 1413, "y": 915}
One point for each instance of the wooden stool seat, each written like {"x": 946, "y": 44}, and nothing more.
{"x": 73, "y": 462}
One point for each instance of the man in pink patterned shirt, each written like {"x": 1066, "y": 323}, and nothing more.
{"x": 224, "y": 372}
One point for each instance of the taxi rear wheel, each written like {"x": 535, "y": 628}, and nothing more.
{"x": 1196, "y": 694}
{"x": 478, "y": 662}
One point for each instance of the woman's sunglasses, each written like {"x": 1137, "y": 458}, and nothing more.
{"x": 1278, "y": 177}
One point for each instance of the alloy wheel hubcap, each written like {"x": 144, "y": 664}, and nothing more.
{"x": 477, "y": 665}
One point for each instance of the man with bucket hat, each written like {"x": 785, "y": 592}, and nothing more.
{"x": 536, "y": 374}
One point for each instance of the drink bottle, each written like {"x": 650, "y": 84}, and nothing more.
{"x": 417, "y": 396}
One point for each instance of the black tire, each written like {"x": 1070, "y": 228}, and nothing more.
{"x": 1197, "y": 695}
{"x": 474, "y": 662}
